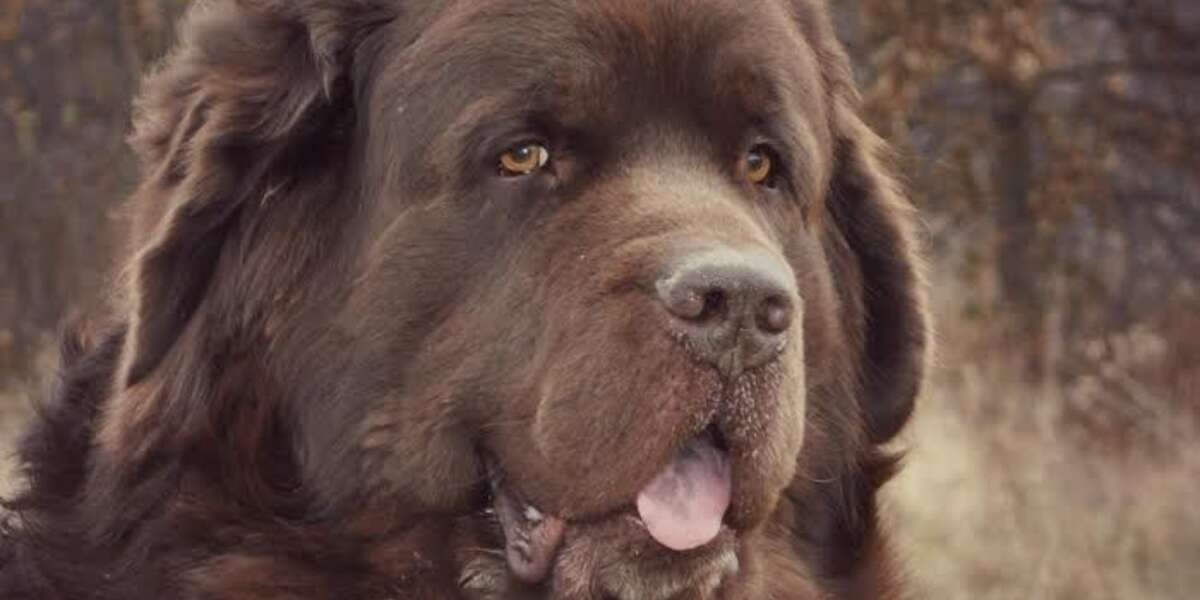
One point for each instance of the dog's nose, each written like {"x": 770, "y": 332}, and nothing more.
{"x": 732, "y": 308}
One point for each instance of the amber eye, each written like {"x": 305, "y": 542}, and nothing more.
{"x": 758, "y": 166}
{"x": 524, "y": 159}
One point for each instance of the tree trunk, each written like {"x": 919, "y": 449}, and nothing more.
{"x": 1019, "y": 250}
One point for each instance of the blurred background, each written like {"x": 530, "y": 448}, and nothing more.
{"x": 1053, "y": 147}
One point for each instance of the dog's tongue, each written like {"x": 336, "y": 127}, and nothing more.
{"x": 683, "y": 506}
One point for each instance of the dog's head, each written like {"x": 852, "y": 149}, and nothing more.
{"x": 618, "y": 277}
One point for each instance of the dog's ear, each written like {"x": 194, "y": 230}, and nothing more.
{"x": 877, "y": 222}
{"x": 249, "y": 81}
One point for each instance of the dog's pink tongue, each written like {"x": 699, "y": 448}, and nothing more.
{"x": 683, "y": 506}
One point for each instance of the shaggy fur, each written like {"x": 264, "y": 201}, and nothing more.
{"x": 341, "y": 322}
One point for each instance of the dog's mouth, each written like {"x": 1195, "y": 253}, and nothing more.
{"x": 682, "y": 508}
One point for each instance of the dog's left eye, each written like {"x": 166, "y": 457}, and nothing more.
{"x": 524, "y": 159}
{"x": 758, "y": 166}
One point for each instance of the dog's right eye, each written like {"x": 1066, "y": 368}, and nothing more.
{"x": 524, "y": 159}
{"x": 758, "y": 166}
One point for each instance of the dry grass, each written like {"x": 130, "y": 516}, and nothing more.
{"x": 996, "y": 503}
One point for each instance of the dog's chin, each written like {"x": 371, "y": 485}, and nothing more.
{"x": 617, "y": 555}
{"x": 616, "y": 558}
{"x": 612, "y": 558}
{"x": 609, "y": 558}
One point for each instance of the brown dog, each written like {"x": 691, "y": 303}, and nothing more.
{"x": 488, "y": 299}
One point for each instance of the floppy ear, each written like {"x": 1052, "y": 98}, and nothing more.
{"x": 876, "y": 222}
{"x": 249, "y": 81}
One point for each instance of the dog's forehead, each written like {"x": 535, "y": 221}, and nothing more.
{"x": 598, "y": 56}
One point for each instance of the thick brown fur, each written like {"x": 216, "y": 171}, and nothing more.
{"x": 336, "y": 310}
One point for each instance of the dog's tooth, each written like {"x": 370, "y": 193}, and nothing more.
{"x": 523, "y": 549}
{"x": 533, "y": 514}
